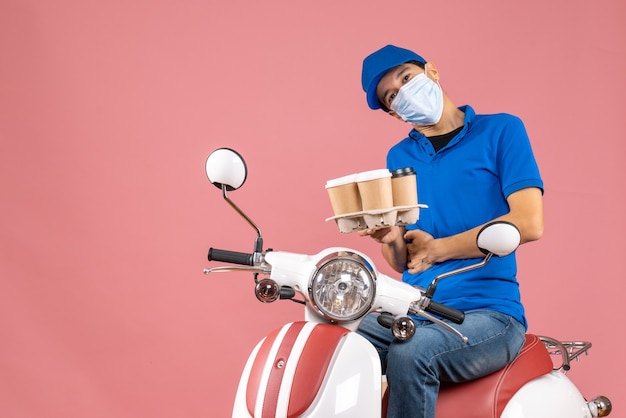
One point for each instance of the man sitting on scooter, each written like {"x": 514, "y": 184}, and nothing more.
{"x": 471, "y": 169}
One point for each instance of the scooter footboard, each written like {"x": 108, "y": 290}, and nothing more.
{"x": 307, "y": 369}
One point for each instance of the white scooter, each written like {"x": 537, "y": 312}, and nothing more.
{"x": 320, "y": 367}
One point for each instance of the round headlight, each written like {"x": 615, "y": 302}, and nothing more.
{"x": 343, "y": 287}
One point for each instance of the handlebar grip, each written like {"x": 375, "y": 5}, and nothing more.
{"x": 232, "y": 257}
{"x": 447, "y": 312}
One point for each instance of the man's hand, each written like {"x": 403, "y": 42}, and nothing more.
{"x": 420, "y": 246}
{"x": 393, "y": 248}
{"x": 384, "y": 235}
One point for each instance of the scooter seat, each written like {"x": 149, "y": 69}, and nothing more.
{"x": 487, "y": 397}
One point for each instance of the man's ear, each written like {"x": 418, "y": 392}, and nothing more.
{"x": 431, "y": 71}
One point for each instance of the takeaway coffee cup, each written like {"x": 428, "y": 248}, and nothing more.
{"x": 404, "y": 185}
{"x": 344, "y": 195}
{"x": 375, "y": 189}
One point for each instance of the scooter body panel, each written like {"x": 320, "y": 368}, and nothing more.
{"x": 310, "y": 370}
{"x": 549, "y": 396}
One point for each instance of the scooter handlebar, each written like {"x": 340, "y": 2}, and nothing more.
{"x": 233, "y": 257}
{"x": 446, "y": 312}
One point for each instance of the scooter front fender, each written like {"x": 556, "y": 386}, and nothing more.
{"x": 304, "y": 369}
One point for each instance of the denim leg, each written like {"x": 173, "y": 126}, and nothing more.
{"x": 415, "y": 367}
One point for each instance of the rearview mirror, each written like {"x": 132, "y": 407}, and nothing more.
{"x": 499, "y": 238}
{"x": 226, "y": 167}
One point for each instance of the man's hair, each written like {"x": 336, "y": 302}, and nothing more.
{"x": 419, "y": 64}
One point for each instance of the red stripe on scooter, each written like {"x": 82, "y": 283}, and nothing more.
{"x": 256, "y": 372}
{"x": 276, "y": 375}
{"x": 312, "y": 367}
{"x": 270, "y": 398}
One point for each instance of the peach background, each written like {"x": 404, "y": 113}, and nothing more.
{"x": 109, "y": 109}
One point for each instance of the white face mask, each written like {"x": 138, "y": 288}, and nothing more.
{"x": 419, "y": 102}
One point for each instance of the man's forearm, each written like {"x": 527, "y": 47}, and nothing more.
{"x": 395, "y": 253}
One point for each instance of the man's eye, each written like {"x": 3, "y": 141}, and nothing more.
{"x": 391, "y": 97}
{"x": 406, "y": 78}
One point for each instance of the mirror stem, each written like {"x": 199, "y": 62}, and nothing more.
{"x": 433, "y": 286}
{"x": 258, "y": 245}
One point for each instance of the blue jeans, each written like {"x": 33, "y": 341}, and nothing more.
{"x": 416, "y": 367}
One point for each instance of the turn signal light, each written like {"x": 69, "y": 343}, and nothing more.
{"x": 267, "y": 290}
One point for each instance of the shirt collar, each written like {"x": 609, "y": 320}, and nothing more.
{"x": 468, "y": 117}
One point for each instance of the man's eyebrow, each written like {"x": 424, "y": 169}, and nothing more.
{"x": 398, "y": 75}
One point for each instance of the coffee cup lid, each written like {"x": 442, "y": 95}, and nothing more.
{"x": 407, "y": 171}
{"x": 373, "y": 175}
{"x": 340, "y": 181}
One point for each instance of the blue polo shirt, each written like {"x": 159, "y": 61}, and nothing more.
{"x": 466, "y": 184}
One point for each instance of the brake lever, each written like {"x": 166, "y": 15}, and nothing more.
{"x": 226, "y": 269}
{"x": 420, "y": 312}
